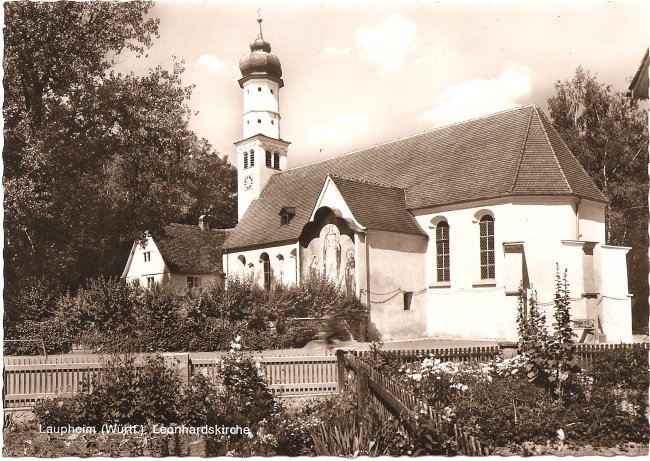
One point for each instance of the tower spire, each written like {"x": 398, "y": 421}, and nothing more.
{"x": 259, "y": 20}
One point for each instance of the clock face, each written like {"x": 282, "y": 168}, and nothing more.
{"x": 248, "y": 182}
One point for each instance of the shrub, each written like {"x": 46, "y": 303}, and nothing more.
{"x": 126, "y": 393}
{"x": 338, "y": 427}
{"x": 550, "y": 359}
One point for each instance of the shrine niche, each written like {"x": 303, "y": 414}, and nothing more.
{"x": 327, "y": 247}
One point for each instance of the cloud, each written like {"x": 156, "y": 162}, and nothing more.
{"x": 344, "y": 125}
{"x": 474, "y": 98}
{"x": 210, "y": 63}
{"x": 335, "y": 51}
{"x": 388, "y": 44}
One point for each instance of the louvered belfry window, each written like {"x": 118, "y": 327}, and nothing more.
{"x": 487, "y": 247}
{"x": 269, "y": 159}
{"x": 245, "y": 160}
{"x": 442, "y": 252}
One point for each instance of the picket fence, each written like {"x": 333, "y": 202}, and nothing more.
{"x": 393, "y": 400}
{"x": 30, "y": 379}
{"x": 288, "y": 372}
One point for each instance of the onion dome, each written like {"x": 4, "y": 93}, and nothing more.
{"x": 260, "y": 60}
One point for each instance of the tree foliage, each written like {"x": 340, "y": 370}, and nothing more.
{"x": 94, "y": 158}
{"x": 608, "y": 133}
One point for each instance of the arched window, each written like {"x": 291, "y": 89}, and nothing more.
{"x": 245, "y": 160}
{"x": 276, "y": 161}
{"x": 269, "y": 160}
{"x": 280, "y": 268}
{"x": 442, "y": 251}
{"x": 252, "y": 158}
{"x": 242, "y": 261}
{"x": 487, "y": 247}
{"x": 266, "y": 265}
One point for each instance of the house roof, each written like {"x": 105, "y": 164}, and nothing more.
{"x": 187, "y": 249}
{"x": 639, "y": 84}
{"x": 510, "y": 153}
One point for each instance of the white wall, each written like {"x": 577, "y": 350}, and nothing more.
{"x": 395, "y": 262}
{"x": 261, "y": 102}
{"x": 281, "y": 272}
{"x": 140, "y": 269}
{"x": 592, "y": 221}
{"x": 470, "y": 310}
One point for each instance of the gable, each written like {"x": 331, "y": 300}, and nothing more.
{"x": 515, "y": 152}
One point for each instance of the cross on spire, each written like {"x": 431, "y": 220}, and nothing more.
{"x": 259, "y": 20}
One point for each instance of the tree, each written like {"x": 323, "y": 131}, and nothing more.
{"x": 93, "y": 158}
{"x": 608, "y": 133}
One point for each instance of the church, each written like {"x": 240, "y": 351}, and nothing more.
{"x": 434, "y": 232}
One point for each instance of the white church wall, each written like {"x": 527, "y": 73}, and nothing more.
{"x": 261, "y": 108}
{"x": 616, "y": 303}
{"x": 469, "y": 308}
{"x": 591, "y": 226}
{"x": 283, "y": 270}
{"x": 395, "y": 262}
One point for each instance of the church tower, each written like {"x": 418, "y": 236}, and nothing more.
{"x": 261, "y": 153}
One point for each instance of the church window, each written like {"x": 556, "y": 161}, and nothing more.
{"x": 268, "y": 159}
{"x": 252, "y": 158}
{"x": 487, "y": 247}
{"x": 408, "y": 300}
{"x": 245, "y": 159}
{"x": 442, "y": 252}
{"x": 266, "y": 265}
{"x": 276, "y": 161}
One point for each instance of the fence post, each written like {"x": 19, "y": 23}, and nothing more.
{"x": 508, "y": 350}
{"x": 179, "y": 362}
{"x": 362, "y": 388}
{"x": 340, "y": 368}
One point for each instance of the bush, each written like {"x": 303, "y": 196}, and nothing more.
{"x": 114, "y": 317}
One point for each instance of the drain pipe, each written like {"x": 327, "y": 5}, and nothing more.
{"x": 578, "y": 218}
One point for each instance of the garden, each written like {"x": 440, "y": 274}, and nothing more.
{"x": 111, "y": 316}
{"x": 540, "y": 401}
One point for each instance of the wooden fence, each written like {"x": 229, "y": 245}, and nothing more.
{"x": 393, "y": 399}
{"x": 29, "y": 379}
{"x": 288, "y": 372}
{"x": 455, "y": 354}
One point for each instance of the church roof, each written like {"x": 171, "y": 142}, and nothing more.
{"x": 189, "y": 250}
{"x": 510, "y": 153}
{"x": 387, "y": 214}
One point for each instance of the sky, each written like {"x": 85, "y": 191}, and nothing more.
{"x": 359, "y": 73}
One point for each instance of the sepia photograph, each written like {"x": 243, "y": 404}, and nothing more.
{"x": 238, "y": 228}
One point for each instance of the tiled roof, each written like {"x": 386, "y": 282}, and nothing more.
{"x": 189, "y": 250}
{"x": 515, "y": 152}
{"x": 377, "y": 206}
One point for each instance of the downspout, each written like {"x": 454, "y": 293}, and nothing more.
{"x": 225, "y": 281}
{"x": 367, "y": 285}
{"x": 578, "y": 218}
{"x": 297, "y": 263}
